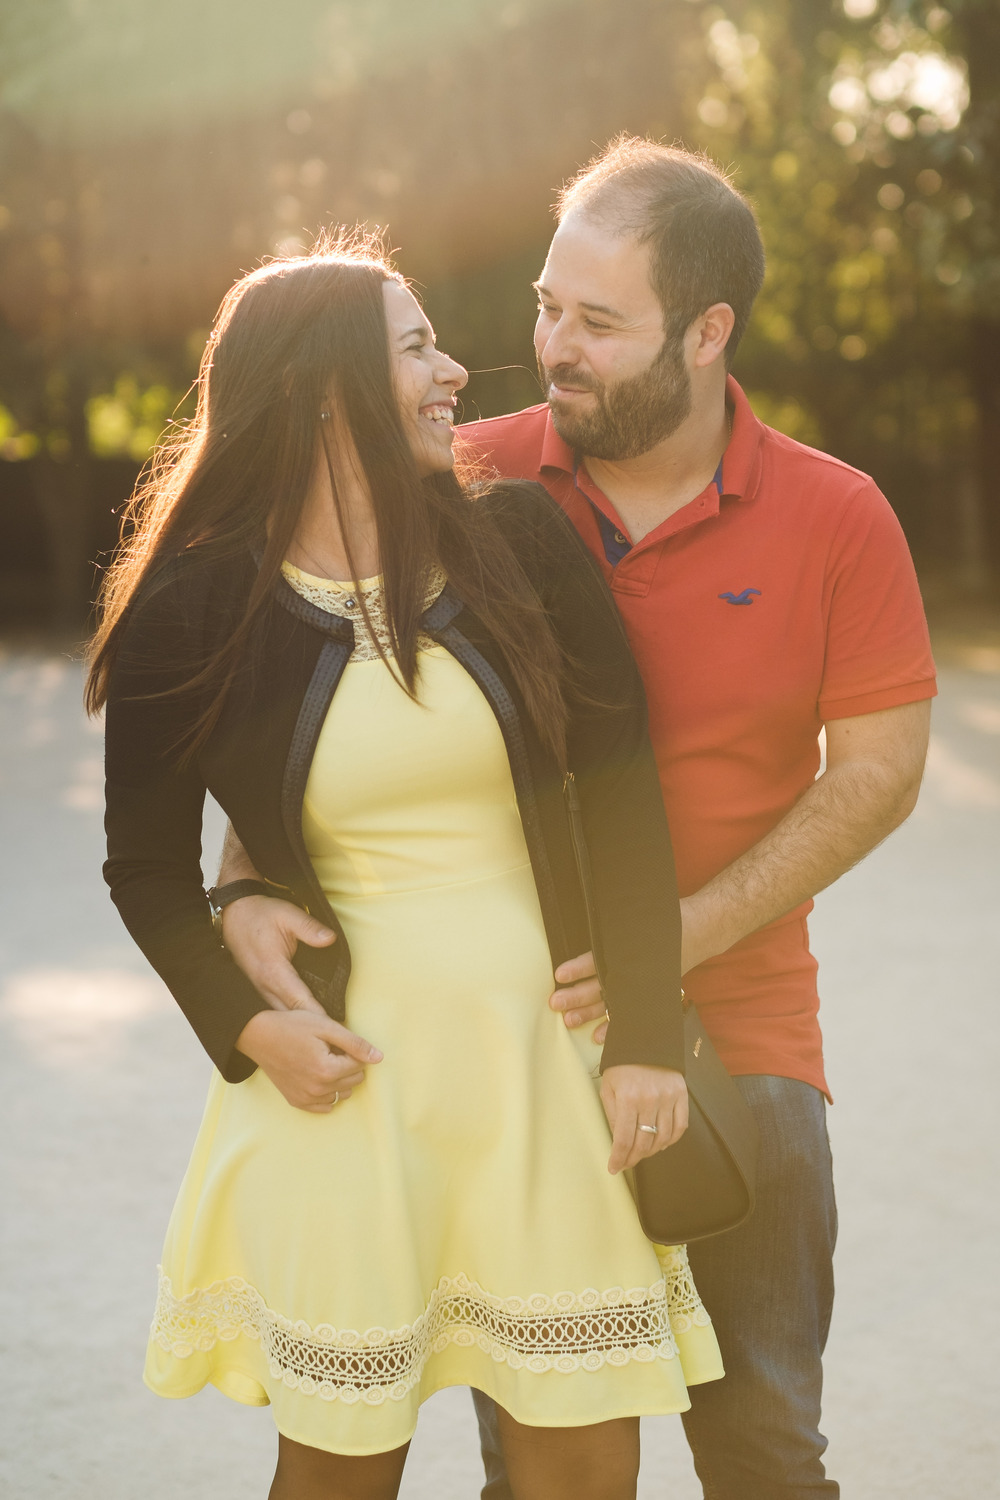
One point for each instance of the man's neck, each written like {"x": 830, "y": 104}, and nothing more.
{"x": 646, "y": 490}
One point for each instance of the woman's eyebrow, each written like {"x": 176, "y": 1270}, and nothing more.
{"x": 411, "y": 333}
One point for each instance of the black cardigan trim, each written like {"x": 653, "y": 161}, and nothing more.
{"x": 329, "y": 669}
{"x": 503, "y": 706}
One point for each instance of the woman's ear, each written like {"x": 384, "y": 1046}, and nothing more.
{"x": 329, "y": 408}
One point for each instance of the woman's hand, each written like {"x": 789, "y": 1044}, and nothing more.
{"x": 262, "y": 934}
{"x": 314, "y": 1061}
{"x": 579, "y": 997}
{"x": 634, "y": 1096}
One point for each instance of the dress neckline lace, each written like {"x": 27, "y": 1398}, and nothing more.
{"x": 340, "y": 598}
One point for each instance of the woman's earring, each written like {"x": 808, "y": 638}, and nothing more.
{"x": 324, "y": 416}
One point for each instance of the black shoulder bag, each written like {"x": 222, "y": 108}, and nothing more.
{"x": 704, "y": 1184}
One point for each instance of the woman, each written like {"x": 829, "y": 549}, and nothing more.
{"x": 384, "y": 680}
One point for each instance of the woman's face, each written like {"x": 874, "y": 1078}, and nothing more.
{"x": 426, "y": 381}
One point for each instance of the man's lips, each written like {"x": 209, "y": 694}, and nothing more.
{"x": 557, "y": 390}
{"x": 568, "y": 383}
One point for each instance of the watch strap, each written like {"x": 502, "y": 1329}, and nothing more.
{"x": 221, "y": 896}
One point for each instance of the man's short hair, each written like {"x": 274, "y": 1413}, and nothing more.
{"x": 703, "y": 235}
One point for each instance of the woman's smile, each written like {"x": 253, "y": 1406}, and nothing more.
{"x": 441, "y": 413}
{"x": 426, "y": 380}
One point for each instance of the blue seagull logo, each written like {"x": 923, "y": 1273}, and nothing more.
{"x": 743, "y": 598}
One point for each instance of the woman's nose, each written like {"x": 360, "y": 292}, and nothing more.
{"x": 452, "y": 373}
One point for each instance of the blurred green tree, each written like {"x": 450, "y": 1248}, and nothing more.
{"x": 148, "y": 154}
{"x": 866, "y": 134}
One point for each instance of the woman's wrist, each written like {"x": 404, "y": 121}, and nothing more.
{"x": 255, "y": 1033}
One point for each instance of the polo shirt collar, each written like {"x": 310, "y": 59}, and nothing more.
{"x": 740, "y": 462}
{"x": 556, "y": 454}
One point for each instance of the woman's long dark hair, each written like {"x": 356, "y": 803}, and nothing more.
{"x": 285, "y": 336}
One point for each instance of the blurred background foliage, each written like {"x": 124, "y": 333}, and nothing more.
{"x": 150, "y": 152}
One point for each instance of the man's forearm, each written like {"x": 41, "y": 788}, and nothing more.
{"x": 840, "y": 819}
{"x": 235, "y": 863}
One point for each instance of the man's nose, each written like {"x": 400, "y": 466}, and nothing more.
{"x": 559, "y": 347}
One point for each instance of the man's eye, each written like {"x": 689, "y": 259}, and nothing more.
{"x": 597, "y": 327}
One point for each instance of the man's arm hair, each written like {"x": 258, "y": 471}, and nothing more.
{"x": 870, "y": 785}
{"x": 235, "y": 863}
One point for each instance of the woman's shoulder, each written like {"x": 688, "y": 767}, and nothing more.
{"x": 186, "y": 600}
{"x": 186, "y": 606}
{"x": 518, "y": 501}
{"x": 536, "y": 526}
{"x": 194, "y": 578}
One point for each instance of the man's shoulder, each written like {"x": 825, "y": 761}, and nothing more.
{"x": 518, "y": 434}
{"x": 800, "y": 477}
{"x": 788, "y": 454}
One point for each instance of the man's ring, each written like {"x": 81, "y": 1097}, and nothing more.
{"x": 336, "y": 1097}
{"x": 649, "y": 1129}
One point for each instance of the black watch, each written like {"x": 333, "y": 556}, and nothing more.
{"x": 221, "y": 896}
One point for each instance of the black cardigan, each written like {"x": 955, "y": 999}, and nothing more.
{"x": 257, "y": 758}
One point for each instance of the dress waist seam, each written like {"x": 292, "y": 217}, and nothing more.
{"x": 336, "y": 897}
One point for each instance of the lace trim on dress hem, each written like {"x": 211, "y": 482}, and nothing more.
{"x": 568, "y": 1332}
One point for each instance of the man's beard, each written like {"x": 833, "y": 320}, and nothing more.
{"x": 632, "y": 415}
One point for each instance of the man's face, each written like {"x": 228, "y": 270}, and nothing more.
{"x": 615, "y": 384}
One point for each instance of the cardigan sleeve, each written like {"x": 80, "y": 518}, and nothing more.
{"x": 628, "y": 840}
{"x": 153, "y": 820}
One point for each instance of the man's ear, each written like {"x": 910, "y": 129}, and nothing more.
{"x": 713, "y": 330}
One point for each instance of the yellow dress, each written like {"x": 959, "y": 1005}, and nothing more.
{"x": 453, "y": 1222}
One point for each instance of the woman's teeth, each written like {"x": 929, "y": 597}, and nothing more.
{"x": 444, "y": 414}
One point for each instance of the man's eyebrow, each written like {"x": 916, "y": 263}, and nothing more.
{"x": 609, "y": 312}
{"x": 597, "y": 307}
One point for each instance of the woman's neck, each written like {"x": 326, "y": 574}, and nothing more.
{"x": 319, "y": 545}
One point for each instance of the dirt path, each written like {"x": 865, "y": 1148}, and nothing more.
{"x": 102, "y": 1084}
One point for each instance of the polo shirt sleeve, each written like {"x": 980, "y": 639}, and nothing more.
{"x": 878, "y": 650}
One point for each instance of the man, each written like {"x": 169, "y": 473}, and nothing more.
{"x": 767, "y": 591}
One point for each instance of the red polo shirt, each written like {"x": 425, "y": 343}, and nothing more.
{"x": 754, "y": 615}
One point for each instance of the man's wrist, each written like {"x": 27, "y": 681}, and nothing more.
{"x": 235, "y": 863}
{"x": 704, "y": 933}
{"x": 221, "y": 896}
